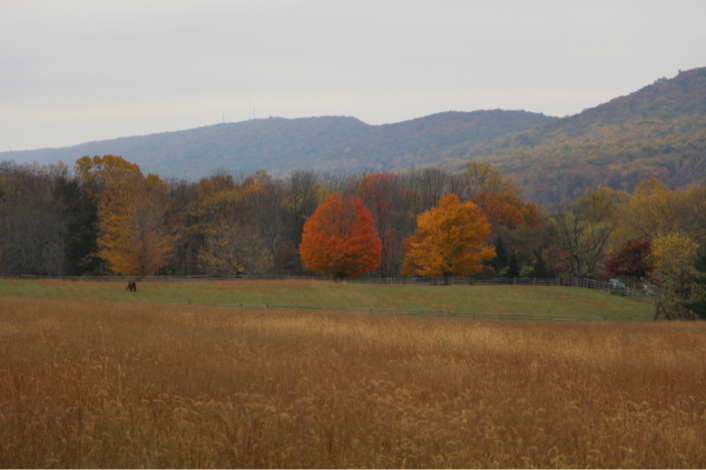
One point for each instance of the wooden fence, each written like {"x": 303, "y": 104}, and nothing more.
{"x": 632, "y": 290}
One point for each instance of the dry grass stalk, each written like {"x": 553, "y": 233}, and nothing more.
{"x": 153, "y": 385}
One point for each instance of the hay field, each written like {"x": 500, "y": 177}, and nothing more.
{"x": 518, "y": 300}
{"x": 159, "y": 385}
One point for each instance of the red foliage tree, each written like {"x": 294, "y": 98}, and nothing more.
{"x": 340, "y": 239}
{"x": 630, "y": 260}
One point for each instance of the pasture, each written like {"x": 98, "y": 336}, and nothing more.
{"x": 518, "y": 300}
{"x": 128, "y": 384}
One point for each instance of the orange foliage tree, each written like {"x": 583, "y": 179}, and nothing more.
{"x": 449, "y": 241}
{"x": 505, "y": 209}
{"x": 340, "y": 239}
{"x": 497, "y": 196}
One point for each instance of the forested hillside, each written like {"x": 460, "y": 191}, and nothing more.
{"x": 659, "y": 130}
{"x": 283, "y": 145}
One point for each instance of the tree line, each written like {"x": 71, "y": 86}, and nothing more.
{"x": 104, "y": 216}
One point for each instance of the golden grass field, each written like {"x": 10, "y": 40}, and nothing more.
{"x": 161, "y": 385}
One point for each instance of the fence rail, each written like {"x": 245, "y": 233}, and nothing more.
{"x": 632, "y": 290}
{"x": 436, "y": 281}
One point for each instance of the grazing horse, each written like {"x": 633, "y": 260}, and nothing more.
{"x": 132, "y": 286}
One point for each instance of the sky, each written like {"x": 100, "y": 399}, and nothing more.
{"x": 79, "y": 71}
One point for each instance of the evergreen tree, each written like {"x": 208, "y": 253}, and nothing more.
{"x": 540, "y": 269}
{"x": 514, "y": 269}
{"x": 82, "y": 216}
{"x": 500, "y": 260}
{"x": 699, "y": 306}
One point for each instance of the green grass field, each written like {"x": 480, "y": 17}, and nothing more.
{"x": 518, "y": 300}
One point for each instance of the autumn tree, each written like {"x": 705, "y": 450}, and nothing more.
{"x": 233, "y": 243}
{"x": 584, "y": 228}
{"x": 132, "y": 236}
{"x": 673, "y": 256}
{"x": 522, "y": 225}
{"x": 181, "y": 215}
{"x": 556, "y": 259}
{"x": 505, "y": 209}
{"x": 481, "y": 177}
{"x": 94, "y": 174}
{"x": 93, "y": 177}
{"x": 673, "y": 221}
{"x": 340, "y": 239}
{"x": 631, "y": 260}
{"x": 233, "y": 249}
{"x": 654, "y": 210}
{"x": 449, "y": 241}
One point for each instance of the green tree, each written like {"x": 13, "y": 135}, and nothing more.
{"x": 699, "y": 306}
{"x": 501, "y": 259}
{"x": 514, "y": 269}
{"x": 540, "y": 269}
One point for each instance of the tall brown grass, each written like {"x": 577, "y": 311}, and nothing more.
{"x": 152, "y": 385}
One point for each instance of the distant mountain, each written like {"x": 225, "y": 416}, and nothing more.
{"x": 659, "y": 130}
{"x": 281, "y": 145}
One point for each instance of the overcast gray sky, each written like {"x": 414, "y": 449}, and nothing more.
{"x": 78, "y": 71}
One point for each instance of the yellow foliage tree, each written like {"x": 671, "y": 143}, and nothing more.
{"x": 673, "y": 254}
{"x": 94, "y": 174}
{"x": 483, "y": 178}
{"x": 449, "y": 241}
{"x": 654, "y": 210}
{"x": 230, "y": 249}
{"x": 132, "y": 236}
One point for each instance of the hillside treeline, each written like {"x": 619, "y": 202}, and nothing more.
{"x": 659, "y": 130}
{"x": 104, "y": 216}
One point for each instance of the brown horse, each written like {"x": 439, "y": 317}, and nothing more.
{"x": 132, "y": 286}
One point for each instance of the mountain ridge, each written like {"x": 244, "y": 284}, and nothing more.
{"x": 280, "y": 145}
{"x": 658, "y": 130}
